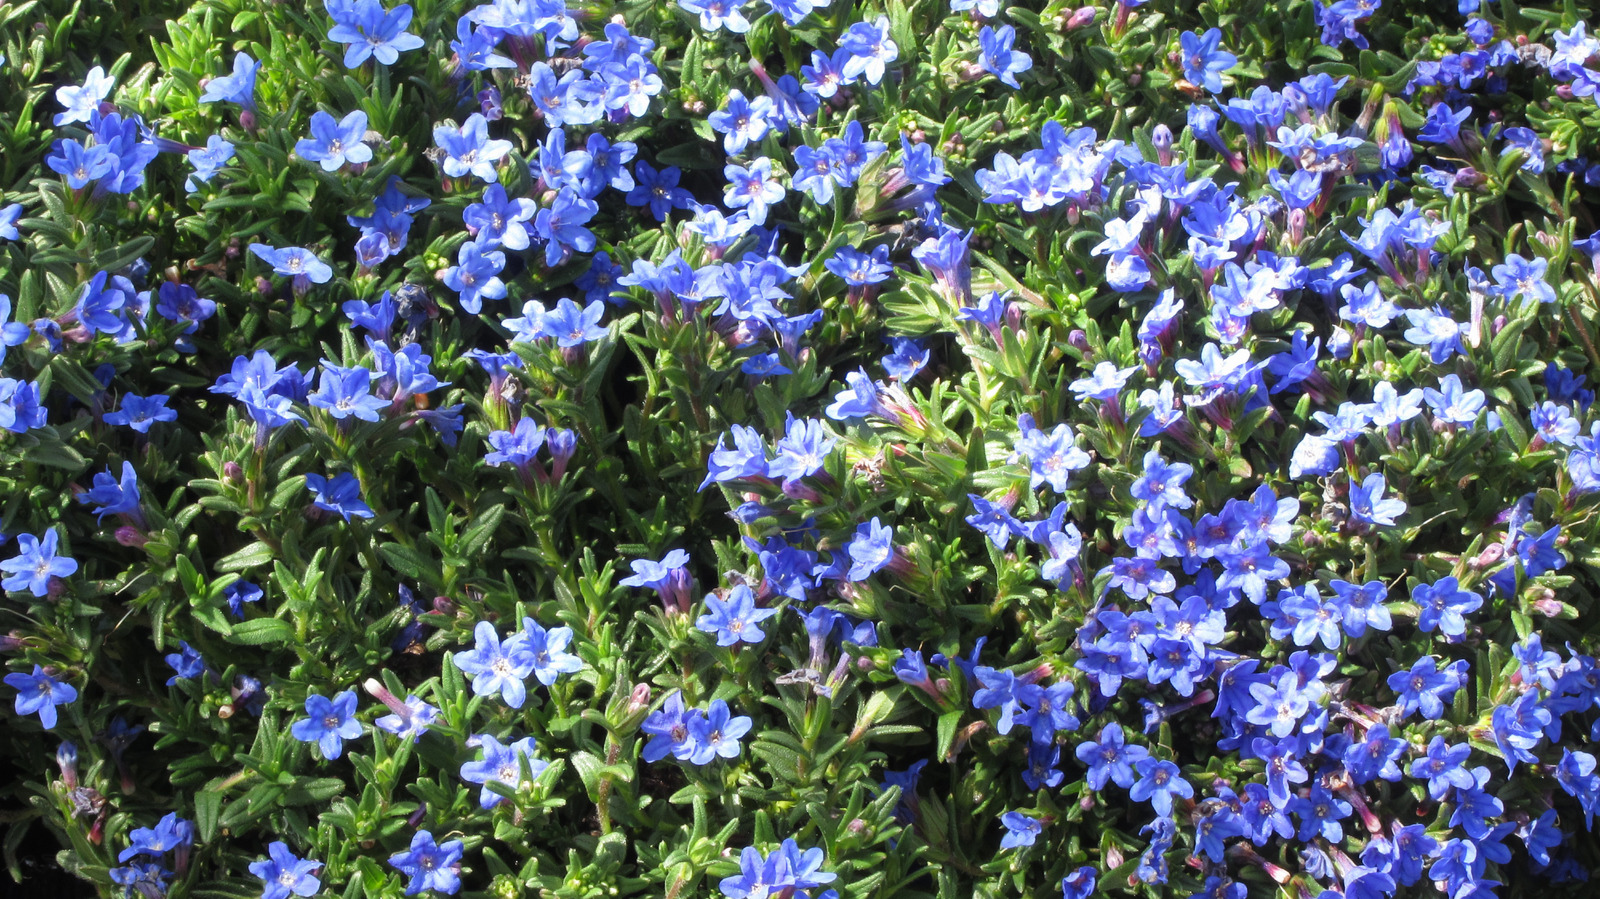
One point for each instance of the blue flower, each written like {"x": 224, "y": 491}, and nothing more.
{"x": 372, "y": 32}
{"x": 632, "y": 84}
{"x": 658, "y": 190}
{"x": 1204, "y": 60}
{"x": 561, "y": 225}
{"x": 8, "y": 226}
{"x": 114, "y": 496}
{"x": 429, "y": 865}
{"x": 329, "y": 724}
{"x": 476, "y": 275}
{"x": 870, "y": 50}
{"x": 207, "y": 161}
{"x": 501, "y": 764}
{"x": 735, "y": 619}
{"x": 498, "y": 219}
{"x": 871, "y": 549}
{"x": 1368, "y": 506}
{"x": 1443, "y": 767}
{"x": 468, "y": 149}
{"x": 1518, "y": 277}
{"x": 801, "y": 452}
{"x": 753, "y": 187}
{"x": 82, "y": 102}
{"x": 497, "y": 667}
{"x": 1080, "y": 883}
{"x": 1021, "y": 830}
{"x": 716, "y": 734}
{"x": 1425, "y": 687}
{"x": 285, "y": 873}
{"x": 668, "y": 727}
{"x": 347, "y": 391}
{"x": 998, "y": 57}
{"x": 36, "y": 563}
{"x": 1052, "y": 457}
{"x": 334, "y": 143}
{"x": 240, "y": 592}
{"x": 411, "y": 718}
{"x": 1110, "y": 758}
{"x": 186, "y": 663}
{"x": 717, "y": 14}
{"x": 1158, "y": 782}
{"x": 1444, "y": 605}
{"x": 294, "y": 262}
{"x": 475, "y": 49}
{"x": 39, "y": 692}
{"x": 548, "y": 650}
{"x": 239, "y": 87}
{"x": 342, "y": 495}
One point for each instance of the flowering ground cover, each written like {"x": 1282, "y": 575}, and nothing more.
{"x": 782, "y": 448}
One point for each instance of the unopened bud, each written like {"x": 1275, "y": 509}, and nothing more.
{"x": 1078, "y": 340}
{"x": 1491, "y": 554}
{"x": 1081, "y": 17}
{"x": 639, "y": 699}
{"x": 130, "y": 536}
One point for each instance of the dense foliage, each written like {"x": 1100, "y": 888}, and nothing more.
{"x": 786, "y": 448}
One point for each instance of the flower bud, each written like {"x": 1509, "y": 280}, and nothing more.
{"x": 1082, "y": 17}
{"x": 233, "y": 473}
{"x": 130, "y": 536}
{"x": 67, "y": 758}
{"x": 639, "y": 699}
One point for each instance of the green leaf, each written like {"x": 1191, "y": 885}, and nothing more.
{"x": 252, "y": 556}
{"x": 260, "y": 631}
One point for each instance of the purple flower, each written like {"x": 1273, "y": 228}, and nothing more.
{"x": 329, "y": 724}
